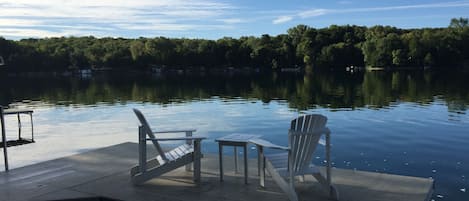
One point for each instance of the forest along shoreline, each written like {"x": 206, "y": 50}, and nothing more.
{"x": 301, "y": 48}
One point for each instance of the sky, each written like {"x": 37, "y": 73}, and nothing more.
{"x": 212, "y": 19}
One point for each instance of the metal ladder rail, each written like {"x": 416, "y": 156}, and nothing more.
{"x": 21, "y": 141}
{"x": 4, "y": 140}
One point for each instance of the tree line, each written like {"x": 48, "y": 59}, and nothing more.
{"x": 331, "y": 47}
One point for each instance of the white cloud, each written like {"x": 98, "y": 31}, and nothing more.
{"x": 232, "y": 20}
{"x": 150, "y": 15}
{"x": 19, "y": 22}
{"x": 14, "y": 32}
{"x": 434, "y": 5}
{"x": 157, "y": 26}
{"x": 46, "y": 18}
{"x": 320, "y": 12}
{"x": 282, "y": 19}
{"x": 313, "y": 13}
{"x": 344, "y": 2}
{"x": 112, "y": 9}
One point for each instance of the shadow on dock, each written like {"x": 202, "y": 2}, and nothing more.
{"x": 103, "y": 174}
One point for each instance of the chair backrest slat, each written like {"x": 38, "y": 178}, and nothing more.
{"x": 305, "y": 150}
{"x": 303, "y": 139}
{"x": 149, "y": 132}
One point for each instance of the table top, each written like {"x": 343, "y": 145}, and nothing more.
{"x": 237, "y": 137}
{"x": 17, "y": 111}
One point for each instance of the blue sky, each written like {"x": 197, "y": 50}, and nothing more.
{"x": 212, "y": 19}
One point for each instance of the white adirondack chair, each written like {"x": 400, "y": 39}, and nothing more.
{"x": 166, "y": 161}
{"x": 303, "y": 137}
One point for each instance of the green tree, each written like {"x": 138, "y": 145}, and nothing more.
{"x": 137, "y": 49}
{"x": 398, "y": 57}
{"x": 459, "y": 23}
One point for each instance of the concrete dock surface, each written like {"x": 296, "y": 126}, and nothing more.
{"x": 103, "y": 174}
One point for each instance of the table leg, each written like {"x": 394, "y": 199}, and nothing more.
{"x": 19, "y": 127}
{"x": 259, "y": 156}
{"x": 245, "y": 164}
{"x": 236, "y": 158}
{"x": 220, "y": 158}
{"x": 196, "y": 161}
{"x": 32, "y": 127}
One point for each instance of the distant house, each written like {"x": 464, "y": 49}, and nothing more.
{"x": 2, "y": 62}
{"x": 85, "y": 72}
{"x": 296, "y": 69}
{"x": 157, "y": 68}
{"x": 100, "y": 68}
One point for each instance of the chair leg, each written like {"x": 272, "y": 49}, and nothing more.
{"x": 287, "y": 187}
{"x": 291, "y": 191}
{"x": 197, "y": 170}
{"x": 261, "y": 165}
{"x": 142, "y": 149}
{"x": 301, "y": 178}
{"x": 197, "y": 156}
{"x": 333, "y": 193}
{"x": 292, "y": 195}
{"x": 331, "y": 190}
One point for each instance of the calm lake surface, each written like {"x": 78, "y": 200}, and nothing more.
{"x": 408, "y": 123}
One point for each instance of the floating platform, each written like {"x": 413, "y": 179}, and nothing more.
{"x": 18, "y": 142}
{"x": 103, "y": 174}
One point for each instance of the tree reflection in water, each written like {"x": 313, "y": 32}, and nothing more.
{"x": 301, "y": 91}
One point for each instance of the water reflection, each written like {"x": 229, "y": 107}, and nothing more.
{"x": 301, "y": 92}
{"x": 409, "y": 123}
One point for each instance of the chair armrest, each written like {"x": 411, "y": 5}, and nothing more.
{"x": 327, "y": 132}
{"x": 176, "y": 138}
{"x": 322, "y": 142}
{"x": 176, "y": 131}
{"x": 265, "y": 143}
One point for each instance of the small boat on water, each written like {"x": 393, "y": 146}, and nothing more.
{"x": 353, "y": 68}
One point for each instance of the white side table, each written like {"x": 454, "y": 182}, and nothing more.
{"x": 235, "y": 140}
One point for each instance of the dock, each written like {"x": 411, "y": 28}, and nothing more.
{"x": 103, "y": 174}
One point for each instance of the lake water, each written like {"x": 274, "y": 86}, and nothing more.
{"x": 408, "y": 123}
